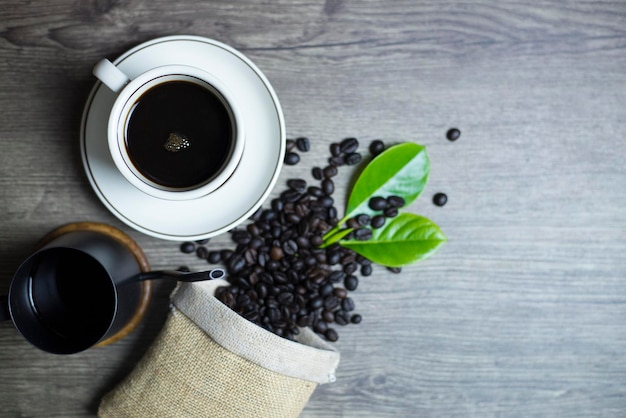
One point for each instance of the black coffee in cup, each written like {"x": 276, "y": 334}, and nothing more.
{"x": 179, "y": 134}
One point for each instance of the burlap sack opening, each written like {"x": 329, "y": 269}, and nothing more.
{"x": 208, "y": 361}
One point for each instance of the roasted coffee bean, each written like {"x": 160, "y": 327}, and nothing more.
{"x": 378, "y": 221}
{"x": 327, "y": 201}
{"x": 331, "y": 335}
{"x": 298, "y": 185}
{"x": 214, "y": 257}
{"x": 316, "y": 240}
{"x": 391, "y": 212}
{"x": 285, "y": 298}
{"x": 376, "y": 147}
{"x": 336, "y": 276}
{"x": 303, "y": 144}
{"x": 353, "y": 159}
{"x": 347, "y": 304}
{"x": 328, "y": 315}
{"x": 440, "y": 199}
{"x": 320, "y": 326}
{"x": 288, "y": 196}
{"x": 363, "y": 234}
{"x": 342, "y": 317}
{"x": 349, "y": 145}
{"x": 236, "y": 263}
{"x": 355, "y": 319}
{"x": 340, "y": 292}
{"x": 328, "y": 187}
{"x": 395, "y": 270}
{"x": 337, "y": 161}
{"x": 351, "y": 282}
{"x": 317, "y": 173}
{"x": 335, "y": 149}
{"x": 290, "y": 247}
{"x": 315, "y": 191}
{"x": 333, "y": 257}
{"x": 292, "y": 158}
{"x": 276, "y": 253}
{"x": 331, "y": 302}
{"x": 350, "y": 268}
{"x": 202, "y": 252}
{"x": 277, "y": 205}
{"x": 395, "y": 201}
{"x": 453, "y": 134}
{"x": 378, "y": 203}
{"x": 251, "y": 256}
{"x": 226, "y": 254}
{"x": 366, "y": 270}
{"x": 330, "y": 172}
{"x": 292, "y": 218}
{"x": 316, "y": 303}
{"x": 187, "y": 247}
{"x": 241, "y": 236}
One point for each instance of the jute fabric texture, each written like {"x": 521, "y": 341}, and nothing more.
{"x": 186, "y": 373}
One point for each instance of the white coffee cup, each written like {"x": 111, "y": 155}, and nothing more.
{"x": 129, "y": 93}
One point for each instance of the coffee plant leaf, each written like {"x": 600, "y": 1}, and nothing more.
{"x": 401, "y": 170}
{"x": 403, "y": 240}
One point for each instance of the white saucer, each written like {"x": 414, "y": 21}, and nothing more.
{"x": 243, "y": 192}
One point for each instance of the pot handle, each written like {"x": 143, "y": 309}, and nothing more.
{"x": 5, "y": 315}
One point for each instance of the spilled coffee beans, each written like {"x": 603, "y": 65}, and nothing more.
{"x": 279, "y": 277}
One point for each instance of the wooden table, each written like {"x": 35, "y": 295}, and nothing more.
{"x": 521, "y": 313}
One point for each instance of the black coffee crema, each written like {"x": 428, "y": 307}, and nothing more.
{"x": 179, "y": 134}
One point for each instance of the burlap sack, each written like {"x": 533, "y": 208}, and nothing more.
{"x": 208, "y": 361}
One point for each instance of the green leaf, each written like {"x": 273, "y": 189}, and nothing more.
{"x": 403, "y": 240}
{"x": 336, "y": 236}
{"x": 401, "y": 170}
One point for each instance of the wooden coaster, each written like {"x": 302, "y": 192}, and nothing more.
{"x": 140, "y": 257}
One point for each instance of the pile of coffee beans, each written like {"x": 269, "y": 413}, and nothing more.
{"x": 279, "y": 276}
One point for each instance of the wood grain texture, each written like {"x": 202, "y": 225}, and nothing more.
{"x": 521, "y": 313}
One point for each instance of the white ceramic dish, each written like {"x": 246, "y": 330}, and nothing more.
{"x": 241, "y": 194}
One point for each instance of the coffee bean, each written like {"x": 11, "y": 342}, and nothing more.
{"x": 337, "y": 161}
{"x": 290, "y": 247}
{"x": 335, "y": 149}
{"x": 453, "y": 134}
{"x": 336, "y": 276}
{"x": 353, "y": 223}
{"x": 378, "y": 203}
{"x": 303, "y": 144}
{"x": 226, "y": 254}
{"x": 376, "y": 147}
{"x": 276, "y": 253}
{"x": 353, "y": 159}
{"x": 316, "y": 172}
{"x": 363, "y": 219}
{"x": 440, "y": 199}
{"x": 395, "y": 270}
{"x": 330, "y": 172}
{"x": 342, "y": 317}
{"x": 241, "y": 236}
{"x": 298, "y": 185}
{"x": 378, "y": 221}
{"x": 347, "y": 304}
{"x": 331, "y": 335}
{"x": 349, "y": 145}
{"x": 340, "y": 292}
{"x": 328, "y": 315}
{"x": 351, "y": 282}
{"x": 326, "y": 289}
{"x": 363, "y": 234}
{"x": 202, "y": 252}
{"x": 214, "y": 257}
{"x": 316, "y": 303}
{"x": 187, "y": 247}
{"x": 328, "y": 187}
{"x": 355, "y": 319}
{"x": 366, "y": 270}
{"x": 236, "y": 263}
{"x": 291, "y": 158}
{"x": 285, "y": 298}
{"x": 315, "y": 191}
{"x": 395, "y": 201}
{"x": 391, "y": 212}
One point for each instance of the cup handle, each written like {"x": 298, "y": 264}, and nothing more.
{"x": 5, "y": 315}
{"x": 110, "y": 75}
